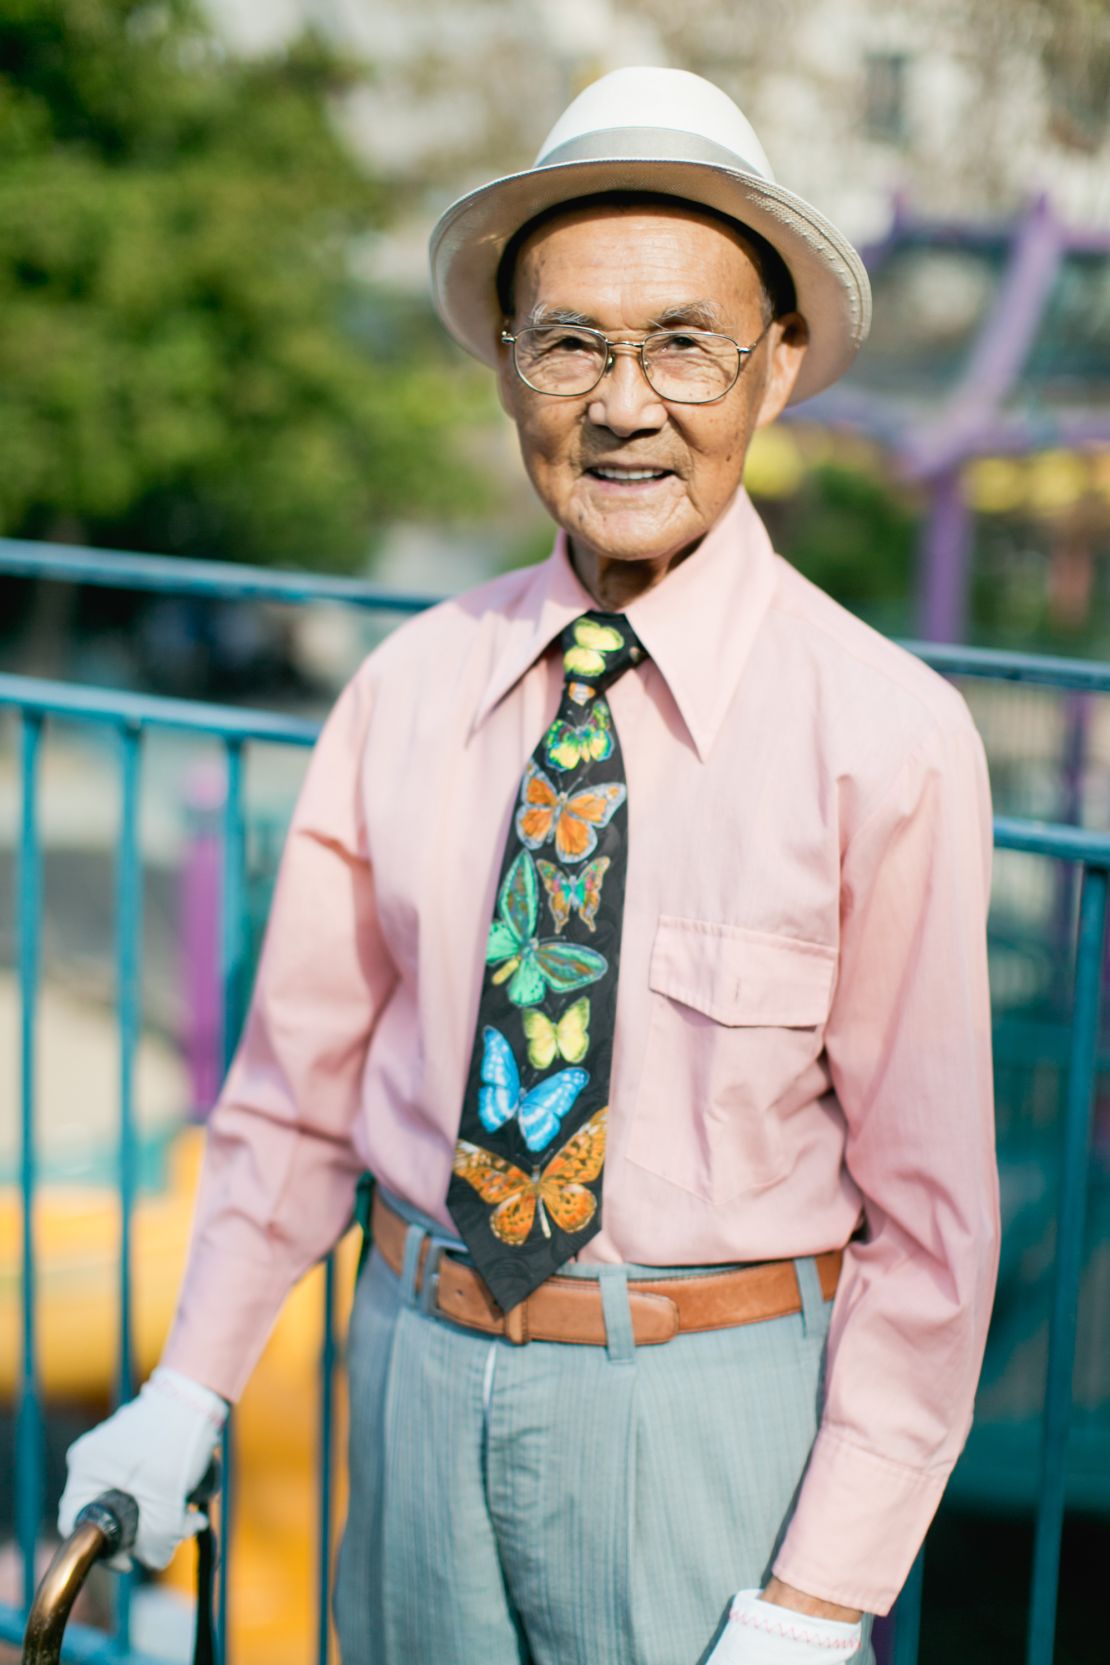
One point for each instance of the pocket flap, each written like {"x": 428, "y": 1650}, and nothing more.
{"x": 737, "y": 976}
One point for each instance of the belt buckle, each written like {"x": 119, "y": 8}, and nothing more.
{"x": 428, "y": 1297}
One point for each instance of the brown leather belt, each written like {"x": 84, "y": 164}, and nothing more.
{"x": 569, "y": 1309}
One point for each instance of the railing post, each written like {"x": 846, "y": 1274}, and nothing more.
{"x": 1069, "y": 1265}
{"x": 327, "y": 1416}
{"x": 233, "y": 932}
{"x": 233, "y": 939}
{"x": 128, "y": 953}
{"x": 29, "y": 1431}
{"x": 199, "y": 917}
{"x": 907, "y": 1615}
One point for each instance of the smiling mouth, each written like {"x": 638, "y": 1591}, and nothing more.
{"x": 628, "y": 476}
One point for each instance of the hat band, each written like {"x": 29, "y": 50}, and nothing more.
{"x": 647, "y": 144}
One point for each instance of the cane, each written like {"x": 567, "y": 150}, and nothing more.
{"x": 104, "y": 1527}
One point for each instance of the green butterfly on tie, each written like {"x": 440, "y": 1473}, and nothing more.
{"x": 531, "y": 966}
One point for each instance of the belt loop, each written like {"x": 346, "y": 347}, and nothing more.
{"x": 813, "y": 1299}
{"x": 410, "y": 1265}
{"x": 429, "y": 1287}
{"x": 620, "y": 1341}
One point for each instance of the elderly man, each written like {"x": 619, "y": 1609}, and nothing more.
{"x": 685, "y": 1226}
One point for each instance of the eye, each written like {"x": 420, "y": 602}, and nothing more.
{"x": 561, "y": 341}
{"x": 573, "y": 344}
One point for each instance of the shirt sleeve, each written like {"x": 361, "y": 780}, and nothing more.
{"x": 280, "y": 1168}
{"x": 909, "y": 1048}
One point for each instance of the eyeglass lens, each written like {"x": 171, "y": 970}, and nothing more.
{"x": 679, "y": 364}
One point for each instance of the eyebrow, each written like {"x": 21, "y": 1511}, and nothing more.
{"x": 702, "y": 314}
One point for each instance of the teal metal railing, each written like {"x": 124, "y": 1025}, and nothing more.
{"x": 130, "y": 717}
{"x": 33, "y": 703}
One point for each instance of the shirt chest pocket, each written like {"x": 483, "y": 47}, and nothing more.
{"x": 736, "y": 1024}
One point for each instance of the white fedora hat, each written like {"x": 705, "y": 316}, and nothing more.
{"x": 666, "y": 131}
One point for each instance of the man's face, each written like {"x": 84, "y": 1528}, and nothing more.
{"x": 628, "y": 271}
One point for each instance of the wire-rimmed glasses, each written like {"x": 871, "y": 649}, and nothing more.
{"x": 683, "y": 366}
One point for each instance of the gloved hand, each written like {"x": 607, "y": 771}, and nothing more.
{"x": 157, "y": 1447}
{"x": 763, "y": 1633}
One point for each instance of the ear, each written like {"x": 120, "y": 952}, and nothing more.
{"x": 788, "y": 337}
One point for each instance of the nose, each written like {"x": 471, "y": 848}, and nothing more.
{"x": 623, "y": 401}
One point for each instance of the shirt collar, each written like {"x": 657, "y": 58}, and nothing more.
{"x": 698, "y": 624}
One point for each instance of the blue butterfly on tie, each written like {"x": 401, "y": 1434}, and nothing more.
{"x": 539, "y": 1111}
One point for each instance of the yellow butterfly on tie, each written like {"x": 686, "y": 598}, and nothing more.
{"x": 569, "y": 1038}
{"x": 559, "y": 1189}
{"x": 592, "y": 641}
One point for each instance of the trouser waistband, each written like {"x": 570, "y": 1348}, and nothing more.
{"x": 581, "y": 1309}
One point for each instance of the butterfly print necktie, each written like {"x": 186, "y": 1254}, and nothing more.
{"x": 525, "y": 1190}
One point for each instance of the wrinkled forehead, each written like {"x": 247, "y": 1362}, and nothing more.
{"x": 672, "y": 250}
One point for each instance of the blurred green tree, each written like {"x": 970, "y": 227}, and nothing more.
{"x": 186, "y": 362}
{"x": 854, "y": 534}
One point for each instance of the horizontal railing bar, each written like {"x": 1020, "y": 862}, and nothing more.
{"x": 1044, "y": 838}
{"x": 119, "y": 569}
{"x": 236, "y": 581}
{"x": 1090, "y": 675}
{"x": 62, "y": 699}
{"x": 231, "y": 581}
{"x": 106, "y": 705}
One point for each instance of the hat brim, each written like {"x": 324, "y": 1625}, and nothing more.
{"x": 834, "y": 295}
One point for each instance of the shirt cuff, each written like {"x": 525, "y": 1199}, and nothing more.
{"x": 859, "y": 1522}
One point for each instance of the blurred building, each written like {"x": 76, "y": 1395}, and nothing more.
{"x": 967, "y": 107}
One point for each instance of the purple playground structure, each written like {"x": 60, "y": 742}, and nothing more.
{"x": 991, "y": 347}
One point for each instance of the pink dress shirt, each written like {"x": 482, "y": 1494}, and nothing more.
{"x": 803, "y": 1024}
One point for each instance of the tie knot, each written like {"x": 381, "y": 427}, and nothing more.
{"x": 599, "y": 647}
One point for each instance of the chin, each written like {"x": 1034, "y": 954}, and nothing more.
{"x": 631, "y": 555}
{"x": 619, "y": 537}
{"x": 635, "y": 548}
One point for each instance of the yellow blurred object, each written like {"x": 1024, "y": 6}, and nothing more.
{"x": 1057, "y": 480}
{"x": 273, "y": 1553}
{"x": 1045, "y": 483}
{"x": 996, "y": 485}
{"x": 76, "y": 1231}
{"x": 1100, "y": 473}
{"x": 774, "y": 466}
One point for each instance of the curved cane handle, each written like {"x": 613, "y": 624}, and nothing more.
{"x": 105, "y": 1526}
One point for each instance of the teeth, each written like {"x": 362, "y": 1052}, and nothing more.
{"x": 630, "y": 473}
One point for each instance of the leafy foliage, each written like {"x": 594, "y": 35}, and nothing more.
{"x": 854, "y": 535}
{"x": 181, "y": 360}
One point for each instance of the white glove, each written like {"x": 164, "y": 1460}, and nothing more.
{"x": 763, "y": 1633}
{"x": 156, "y": 1447}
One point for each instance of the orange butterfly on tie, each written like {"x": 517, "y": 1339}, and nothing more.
{"x": 558, "y": 1189}
{"x": 573, "y": 817}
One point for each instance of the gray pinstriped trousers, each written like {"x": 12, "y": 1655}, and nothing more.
{"x": 559, "y": 1505}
